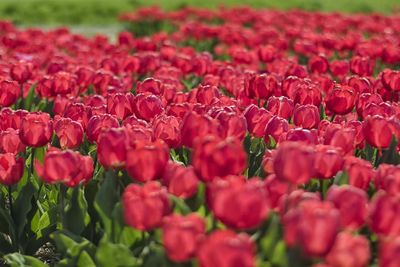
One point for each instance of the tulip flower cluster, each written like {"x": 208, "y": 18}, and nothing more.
{"x": 212, "y": 138}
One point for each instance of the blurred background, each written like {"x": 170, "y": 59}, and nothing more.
{"x": 105, "y": 12}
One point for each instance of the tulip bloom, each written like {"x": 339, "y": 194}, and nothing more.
{"x": 181, "y": 181}
{"x": 69, "y": 132}
{"x": 341, "y": 100}
{"x": 256, "y": 118}
{"x": 306, "y": 116}
{"x": 68, "y": 167}
{"x": 349, "y": 251}
{"x": 36, "y": 129}
{"x": 225, "y": 248}
{"x": 141, "y": 201}
{"x": 11, "y": 169}
{"x": 147, "y": 106}
{"x": 385, "y": 215}
{"x": 240, "y": 206}
{"x": 167, "y": 128}
{"x": 328, "y": 161}
{"x": 146, "y": 161}
{"x": 213, "y": 157}
{"x": 314, "y": 225}
{"x": 352, "y": 204}
{"x": 9, "y": 93}
{"x": 280, "y": 106}
{"x": 99, "y": 123}
{"x": 181, "y": 236}
{"x": 10, "y": 142}
{"x": 294, "y": 162}
{"x": 378, "y": 131}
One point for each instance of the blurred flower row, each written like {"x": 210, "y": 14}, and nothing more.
{"x": 233, "y": 137}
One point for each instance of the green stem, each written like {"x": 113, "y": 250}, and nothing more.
{"x": 10, "y": 200}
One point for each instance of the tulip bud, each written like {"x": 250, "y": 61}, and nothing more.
{"x": 378, "y": 131}
{"x": 360, "y": 172}
{"x": 112, "y": 148}
{"x": 275, "y": 127}
{"x": 389, "y": 252}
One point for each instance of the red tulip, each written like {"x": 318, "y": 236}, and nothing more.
{"x": 224, "y": 248}
{"x": 280, "y": 106}
{"x": 341, "y": 100}
{"x": 9, "y": 93}
{"x": 314, "y": 225}
{"x": 302, "y": 135}
{"x": 167, "y": 128}
{"x": 36, "y": 129}
{"x": 362, "y": 66}
{"x": 21, "y": 71}
{"x": 98, "y": 124}
{"x": 360, "y": 172}
{"x": 69, "y": 132}
{"x": 181, "y": 181}
{"x": 232, "y": 125}
{"x": 147, "y": 160}
{"x": 120, "y": 105}
{"x": 391, "y": 80}
{"x": 147, "y": 106}
{"x": 10, "y": 142}
{"x": 385, "y": 215}
{"x": 389, "y": 252}
{"x": 112, "y": 148}
{"x": 340, "y": 137}
{"x": 139, "y": 202}
{"x": 339, "y": 68}
{"x": 66, "y": 166}
{"x": 213, "y": 157}
{"x": 352, "y": 204}
{"x": 378, "y": 131}
{"x": 276, "y": 188}
{"x": 349, "y": 251}
{"x": 11, "y": 169}
{"x": 261, "y": 86}
{"x": 294, "y": 162}
{"x": 328, "y": 161}
{"x": 306, "y": 116}
{"x": 275, "y": 127}
{"x": 256, "y": 118}
{"x": 181, "y": 236}
{"x": 78, "y": 112}
{"x": 318, "y": 64}
{"x": 388, "y": 178}
{"x": 241, "y": 206}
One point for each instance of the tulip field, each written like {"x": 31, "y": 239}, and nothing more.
{"x": 229, "y": 137}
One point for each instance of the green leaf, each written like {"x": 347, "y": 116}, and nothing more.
{"x": 279, "y": 255}
{"x": 74, "y": 218}
{"x": 341, "y": 178}
{"x": 6, "y": 224}
{"x": 19, "y": 260}
{"x": 272, "y": 237}
{"x": 85, "y": 260}
{"x": 390, "y": 155}
{"x": 105, "y": 200}
{"x": 23, "y": 206}
{"x": 29, "y": 98}
{"x": 114, "y": 255}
